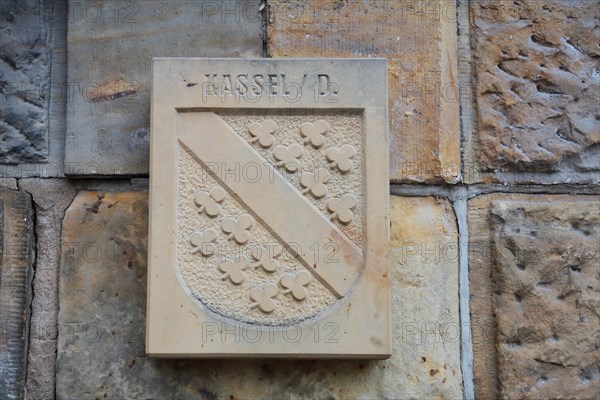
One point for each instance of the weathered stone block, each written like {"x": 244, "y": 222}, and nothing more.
{"x": 16, "y": 271}
{"x": 102, "y": 323}
{"x": 25, "y": 58}
{"x": 51, "y": 197}
{"x": 111, "y": 45}
{"x": 537, "y": 85}
{"x": 33, "y": 88}
{"x": 418, "y": 38}
{"x": 536, "y": 276}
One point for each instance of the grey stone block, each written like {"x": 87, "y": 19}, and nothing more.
{"x": 16, "y": 271}
{"x": 25, "y": 58}
{"x": 111, "y": 45}
{"x": 33, "y": 87}
{"x": 51, "y": 198}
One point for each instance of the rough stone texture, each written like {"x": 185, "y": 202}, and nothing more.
{"x": 537, "y": 85}
{"x": 51, "y": 198}
{"x": 9, "y": 183}
{"x": 102, "y": 306}
{"x": 418, "y": 38}
{"x": 25, "y": 58}
{"x": 425, "y": 311}
{"x": 33, "y": 87}
{"x": 16, "y": 270}
{"x": 547, "y": 299}
{"x": 535, "y": 296}
{"x": 111, "y": 45}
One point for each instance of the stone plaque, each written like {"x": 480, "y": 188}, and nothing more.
{"x": 269, "y": 224}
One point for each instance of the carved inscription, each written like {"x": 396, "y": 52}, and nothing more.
{"x": 252, "y": 87}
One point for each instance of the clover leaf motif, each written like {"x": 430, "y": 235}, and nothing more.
{"x": 341, "y": 156}
{"x": 295, "y": 284}
{"x": 263, "y": 297}
{"x": 314, "y": 182}
{"x": 288, "y": 156}
{"x": 265, "y": 257}
{"x": 315, "y": 133}
{"x": 233, "y": 270}
{"x": 203, "y": 242}
{"x": 263, "y": 132}
{"x": 207, "y": 201}
{"x": 342, "y": 207}
{"x": 238, "y": 228}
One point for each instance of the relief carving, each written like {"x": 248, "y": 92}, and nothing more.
{"x": 342, "y": 208}
{"x": 314, "y": 182}
{"x": 295, "y": 284}
{"x": 341, "y": 157}
{"x": 315, "y": 133}
{"x": 288, "y": 157}
{"x": 208, "y": 201}
{"x": 233, "y": 270}
{"x": 238, "y": 228}
{"x": 263, "y": 297}
{"x": 203, "y": 242}
{"x": 321, "y": 173}
{"x": 263, "y": 132}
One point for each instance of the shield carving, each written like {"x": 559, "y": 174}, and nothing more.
{"x": 269, "y": 217}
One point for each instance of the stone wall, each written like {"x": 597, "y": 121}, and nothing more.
{"x": 495, "y": 206}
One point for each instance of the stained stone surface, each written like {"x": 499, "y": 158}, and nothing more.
{"x": 418, "y": 38}
{"x": 17, "y": 255}
{"x": 25, "y": 58}
{"x": 33, "y": 88}
{"x": 547, "y": 299}
{"x": 536, "y": 312}
{"x": 102, "y": 308}
{"x": 101, "y": 299}
{"x": 111, "y": 45}
{"x": 51, "y": 197}
{"x": 537, "y": 85}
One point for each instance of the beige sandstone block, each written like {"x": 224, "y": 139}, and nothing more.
{"x": 536, "y": 90}
{"x": 418, "y": 38}
{"x": 426, "y": 320}
{"x": 102, "y": 317}
{"x": 534, "y": 279}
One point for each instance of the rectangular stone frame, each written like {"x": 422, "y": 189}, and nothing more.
{"x": 176, "y": 325}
